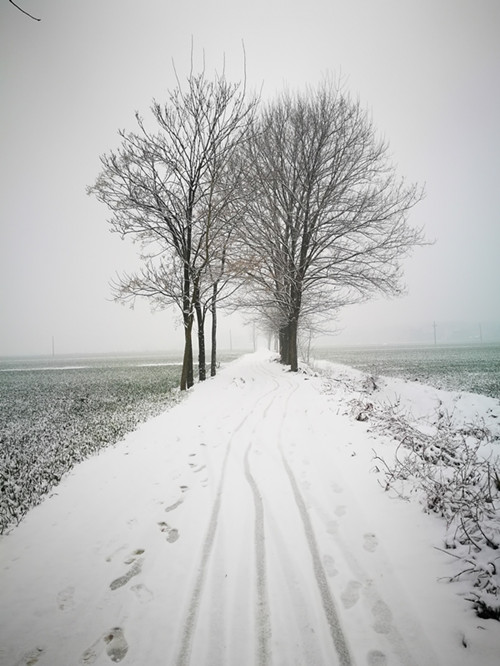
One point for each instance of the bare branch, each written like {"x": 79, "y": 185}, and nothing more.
{"x": 325, "y": 215}
{"x": 170, "y": 188}
{"x": 24, "y": 11}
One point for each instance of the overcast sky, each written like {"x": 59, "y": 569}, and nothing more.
{"x": 428, "y": 70}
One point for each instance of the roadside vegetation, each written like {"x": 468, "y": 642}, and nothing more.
{"x": 447, "y": 463}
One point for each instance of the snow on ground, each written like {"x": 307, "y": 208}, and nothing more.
{"x": 244, "y": 526}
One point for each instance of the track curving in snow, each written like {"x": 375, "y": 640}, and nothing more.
{"x": 263, "y": 629}
{"x": 263, "y": 614}
{"x": 303, "y": 609}
{"x": 254, "y": 452}
{"x": 337, "y": 634}
{"x": 360, "y": 595}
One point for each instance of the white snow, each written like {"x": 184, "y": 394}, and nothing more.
{"x": 244, "y": 526}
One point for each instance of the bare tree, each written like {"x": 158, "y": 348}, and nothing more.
{"x": 326, "y": 214}
{"x": 166, "y": 189}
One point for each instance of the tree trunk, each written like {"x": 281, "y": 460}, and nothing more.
{"x": 293, "y": 323}
{"x": 293, "y": 359}
{"x": 202, "y": 360}
{"x": 187, "y": 377}
{"x": 213, "y": 309}
{"x": 284, "y": 336}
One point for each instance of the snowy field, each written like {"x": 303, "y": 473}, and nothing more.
{"x": 264, "y": 520}
{"x": 56, "y": 412}
{"x": 466, "y": 367}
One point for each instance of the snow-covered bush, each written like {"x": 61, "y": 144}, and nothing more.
{"x": 445, "y": 460}
{"x": 446, "y": 468}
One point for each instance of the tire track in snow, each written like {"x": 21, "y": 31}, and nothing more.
{"x": 263, "y": 614}
{"x": 183, "y": 658}
{"x": 332, "y": 617}
{"x": 381, "y": 613}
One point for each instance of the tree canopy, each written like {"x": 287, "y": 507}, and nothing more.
{"x": 169, "y": 189}
{"x": 326, "y": 214}
{"x": 295, "y": 203}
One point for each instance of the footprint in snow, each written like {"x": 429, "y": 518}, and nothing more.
{"x": 30, "y": 658}
{"x": 134, "y": 570}
{"x": 174, "y": 505}
{"x": 65, "y": 598}
{"x": 340, "y": 511}
{"x": 383, "y": 617}
{"x": 142, "y": 592}
{"x": 329, "y": 564}
{"x": 133, "y": 556}
{"x": 370, "y": 542}
{"x": 117, "y": 646}
{"x": 90, "y": 655}
{"x": 376, "y": 658}
{"x": 350, "y": 595}
{"x": 172, "y": 533}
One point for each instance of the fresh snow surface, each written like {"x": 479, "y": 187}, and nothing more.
{"x": 246, "y": 525}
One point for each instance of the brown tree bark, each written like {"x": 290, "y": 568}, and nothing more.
{"x": 293, "y": 358}
{"x": 187, "y": 377}
{"x": 202, "y": 361}
{"x": 284, "y": 344}
{"x": 213, "y": 310}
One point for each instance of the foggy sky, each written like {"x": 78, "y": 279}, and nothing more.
{"x": 428, "y": 71}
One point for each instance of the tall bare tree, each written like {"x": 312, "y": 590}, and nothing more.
{"x": 326, "y": 213}
{"x": 168, "y": 189}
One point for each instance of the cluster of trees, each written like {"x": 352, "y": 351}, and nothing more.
{"x": 289, "y": 209}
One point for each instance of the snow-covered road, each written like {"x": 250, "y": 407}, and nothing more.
{"x": 245, "y": 526}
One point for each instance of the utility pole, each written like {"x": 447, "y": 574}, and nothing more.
{"x": 53, "y": 347}
{"x": 434, "y": 326}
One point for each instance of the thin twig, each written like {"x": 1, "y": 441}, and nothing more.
{"x": 24, "y": 11}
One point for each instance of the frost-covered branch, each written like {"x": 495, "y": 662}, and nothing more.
{"x": 446, "y": 469}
